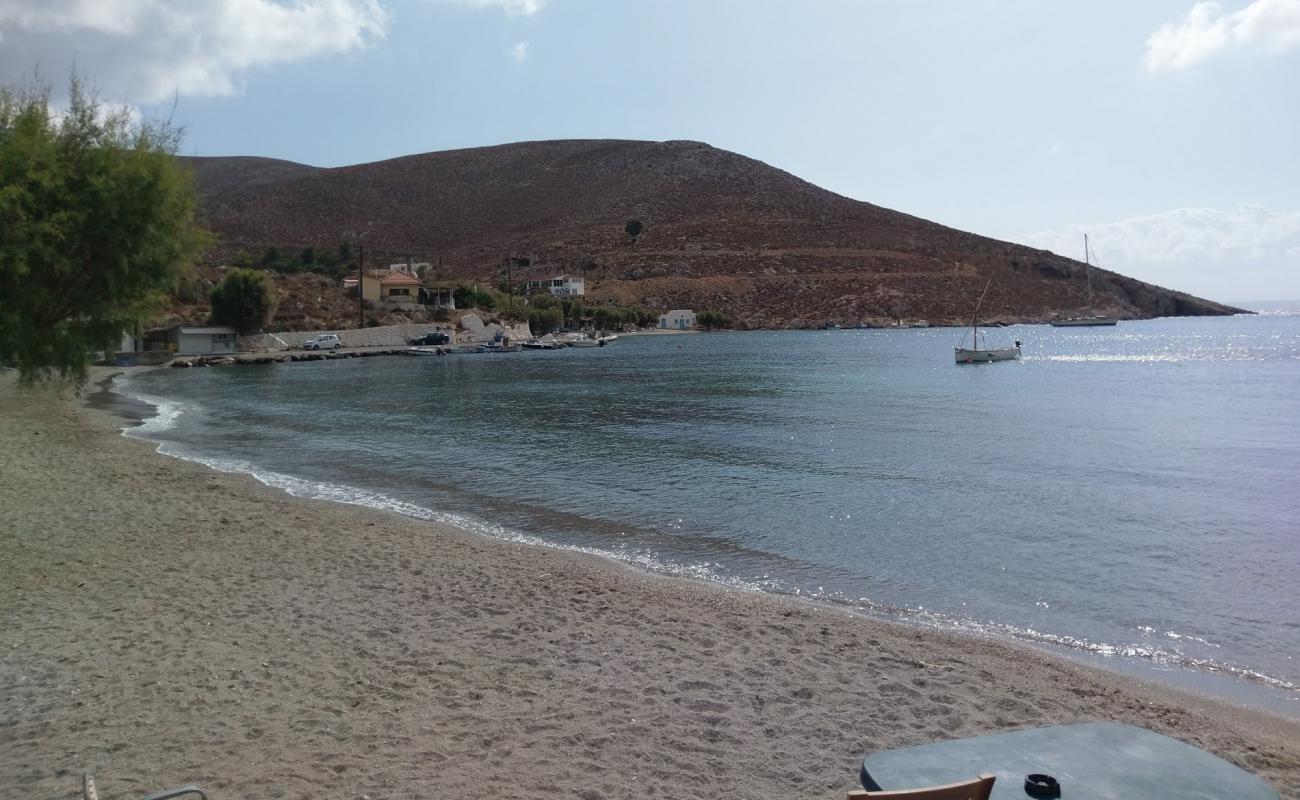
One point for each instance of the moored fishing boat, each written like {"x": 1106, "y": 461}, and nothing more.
{"x": 975, "y": 354}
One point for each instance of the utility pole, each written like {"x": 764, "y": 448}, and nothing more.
{"x": 353, "y": 236}
{"x": 510, "y": 280}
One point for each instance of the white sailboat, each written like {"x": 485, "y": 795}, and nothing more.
{"x": 975, "y": 354}
{"x": 1081, "y": 322}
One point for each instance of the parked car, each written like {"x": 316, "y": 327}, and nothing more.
{"x": 433, "y": 337}
{"x": 325, "y": 341}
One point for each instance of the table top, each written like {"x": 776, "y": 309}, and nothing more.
{"x": 1092, "y": 761}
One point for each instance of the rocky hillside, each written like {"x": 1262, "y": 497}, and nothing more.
{"x": 721, "y": 231}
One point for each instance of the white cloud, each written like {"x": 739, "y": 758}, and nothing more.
{"x": 1249, "y": 232}
{"x": 1250, "y": 252}
{"x": 515, "y": 8}
{"x": 145, "y": 50}
{"x": 1269, "y": 25}
{"x": 520, "y": 51}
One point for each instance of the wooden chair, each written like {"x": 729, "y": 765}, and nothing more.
{"x": 980, "y": 788}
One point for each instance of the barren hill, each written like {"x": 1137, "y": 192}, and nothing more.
{"x": 721, "y": 231}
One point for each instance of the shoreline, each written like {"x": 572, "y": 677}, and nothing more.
{"x": 1217, "y": 681}
{"x": 221, "y": 631}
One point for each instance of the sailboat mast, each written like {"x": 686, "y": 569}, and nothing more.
{"x": 975, "y": 316}
{"x": 1087, "y": 268}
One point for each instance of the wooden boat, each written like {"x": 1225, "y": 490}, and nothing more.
{"x": 975, "y": 354}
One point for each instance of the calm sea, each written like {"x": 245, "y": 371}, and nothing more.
{"x": 1129, "y": 495}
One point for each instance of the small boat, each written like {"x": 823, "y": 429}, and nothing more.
{"x": 582, "y": 340}
{"x": 975, "y": 354}
{"x": 430, "y": 351}
{"x": 1094, "y": 321}
{"x": 982, "y": 355}
{"x": 498, "y": 347}
{"x": 500, "y": 344}
{"x": 545, "y": 343}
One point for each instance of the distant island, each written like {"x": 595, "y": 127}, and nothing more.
{"x": 717, "y": 231}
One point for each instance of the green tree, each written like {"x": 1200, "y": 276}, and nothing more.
{"x": 98, "y": 224}
{"x": 542, "y": 321}
{"x": 511, "y": 308}
{"x": 543, "y": 300}
{"x": 473, "y": 297}
{"x": 642, "y": 316}
{"x": 633, "y": 228}
{"x": 712, "y": 320}
{"x": 575, "y": 311}
{"x": 245, "y": 300}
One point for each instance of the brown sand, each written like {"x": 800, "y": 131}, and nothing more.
{"x": 163, "y": 623}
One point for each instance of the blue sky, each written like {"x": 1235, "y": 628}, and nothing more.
{"x": 1167, "y": 129}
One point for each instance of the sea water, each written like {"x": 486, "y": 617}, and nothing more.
{"x": 1129, "y": 495}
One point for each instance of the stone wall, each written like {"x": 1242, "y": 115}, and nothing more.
{"x": 472, "y": 330}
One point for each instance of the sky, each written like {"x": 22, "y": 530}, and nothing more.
{"x": 1168, "y": 130}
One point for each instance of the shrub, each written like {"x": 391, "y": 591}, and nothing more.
{"x": 473, "y": 297}
{"x": 712, "y": 320}
{"x": 245, "y": 300}
{"x": 545, "y": 320}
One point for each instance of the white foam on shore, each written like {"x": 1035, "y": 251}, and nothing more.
{"x": 1133, "y": 651}
{"x": 168, "y": 413}
{"x": 354, "y": 496}
{"x": 167, "y": 416}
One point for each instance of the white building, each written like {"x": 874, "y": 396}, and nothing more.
{"x": 681, "y": 319}
{"x": 206, "y": 341}
{"x": 558, "y": 285}
{"x": 416, "y": 268}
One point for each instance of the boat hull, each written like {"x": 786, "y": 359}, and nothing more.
{"x": 965, "y": 356}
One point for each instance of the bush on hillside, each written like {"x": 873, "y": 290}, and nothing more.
{"x": 712, "y": 320}
{"x": 245, "y": 300}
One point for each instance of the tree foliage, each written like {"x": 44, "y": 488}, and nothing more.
{"x": 607, "y": 316}
{"x": 510, "y": 308}
{"x": 98, "y": 224}
{"x": 542, "y": 321}
{"x": 712, "y": 320}
{"x": 245, "y": 300}
{"x": 633, "y": 228}
{"x": 543, "y": 299}
{"x": 473, "y": 297}
{"x": 309, "y": 259}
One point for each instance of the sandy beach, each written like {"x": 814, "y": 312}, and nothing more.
{"x": 162, "y": 623}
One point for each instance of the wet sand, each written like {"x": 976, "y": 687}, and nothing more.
{"x": 163, "y": 623}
